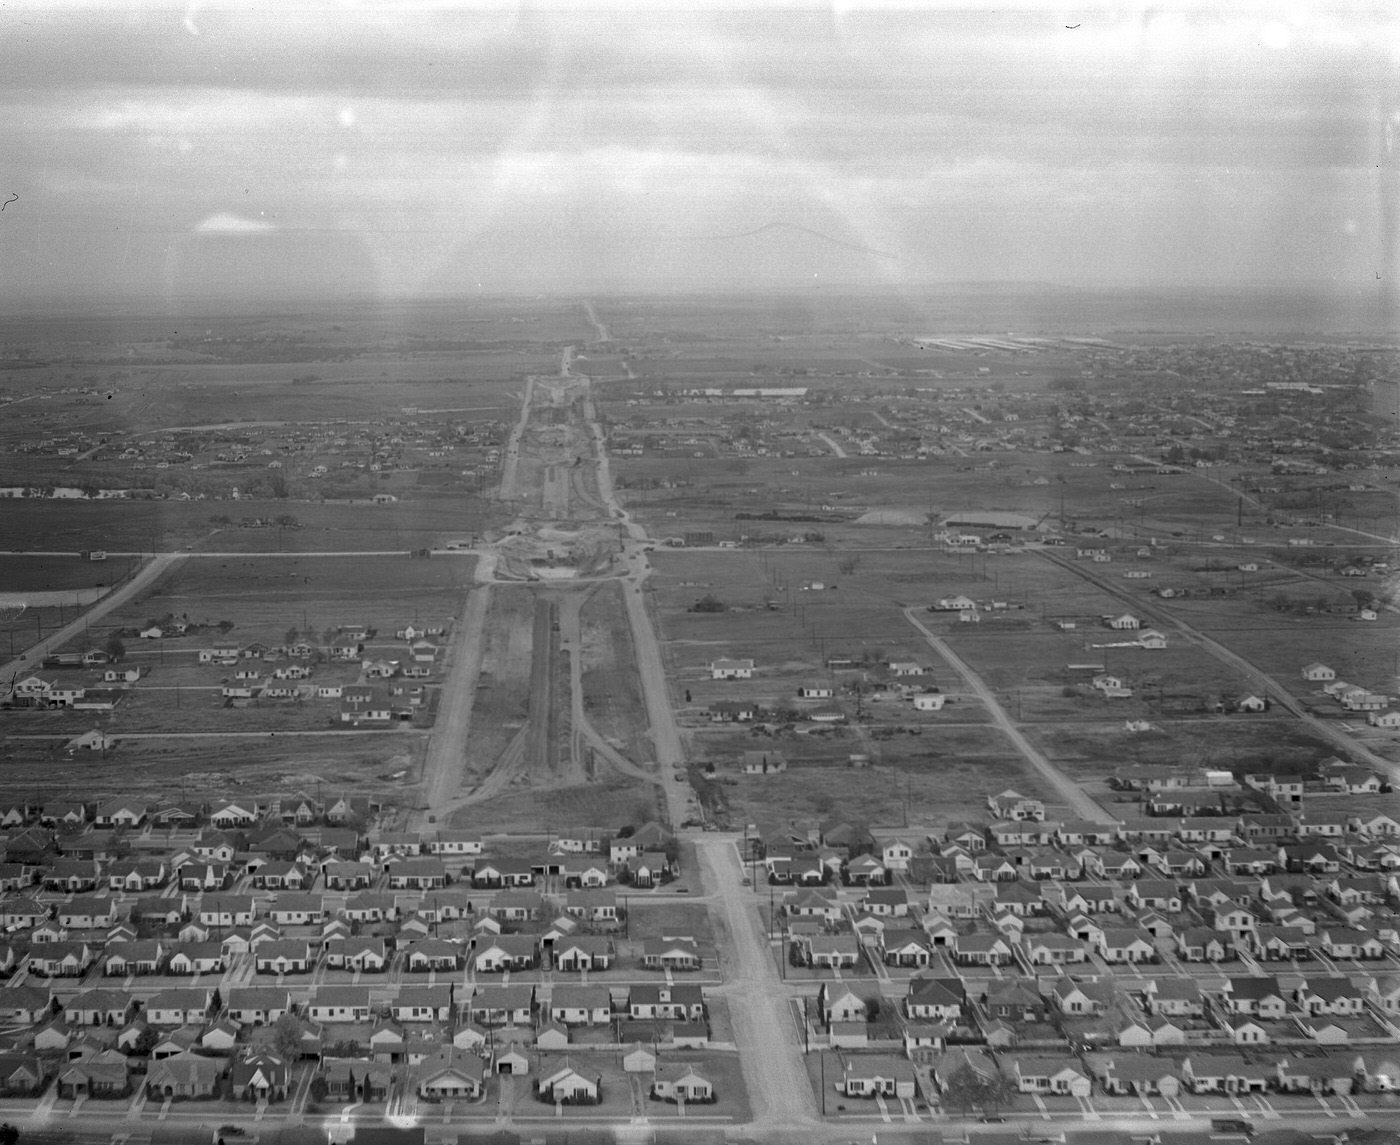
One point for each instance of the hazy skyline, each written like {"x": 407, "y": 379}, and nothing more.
{"x": 401, "y": 150}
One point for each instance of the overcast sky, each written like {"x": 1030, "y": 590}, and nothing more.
{"x": 428, "y": 148}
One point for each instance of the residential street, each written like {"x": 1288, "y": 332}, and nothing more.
{"x": 773, "y": 1069}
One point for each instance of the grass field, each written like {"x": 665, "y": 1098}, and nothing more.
{"x": 503, "y": 691}
{"x": 611, "y": 803}
{"x": 943, "y": 781}
{"x": 20, "y": 574}
{"x": 1281, "y": 644}
{"x": 207, "y": 767}
{"x": 267, "y": 599}
{"x": 141, "y": 526}
{"x": 264, "y": 597}
{"x": 1089, "y": 751}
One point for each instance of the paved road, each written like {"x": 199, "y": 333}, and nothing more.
{"x": 1257, "y": 677}
{"x": 1069, "y": 792}
{"x": 143, "y": 580}
{"x": 774, "y": 1073}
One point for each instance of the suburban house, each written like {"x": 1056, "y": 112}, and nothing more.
{"x": 731, "y": 669}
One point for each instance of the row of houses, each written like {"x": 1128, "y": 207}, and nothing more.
{"x": 1207, "y": 1073}
{"x": 58, "y": 1020}
{"x": 124, "y": 811}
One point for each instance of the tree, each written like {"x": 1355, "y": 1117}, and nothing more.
{"x": 998, "y": 1092}
{"x": 965, "y": 1090}
{"x": 225, "y": 626}
{"x": 286, "y": 1037}
{"x": 114, "y": 647}
{"x": 709, "y": 603}
{"x": 145, "y": 1042}
{"x": 849, "y": 564}
{"x": 1364, "y": 597}
{"x": 960, "y": 1089}
{"x": 292, "y": 635}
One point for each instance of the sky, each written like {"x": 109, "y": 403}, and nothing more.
{"x": 402, "y": 150}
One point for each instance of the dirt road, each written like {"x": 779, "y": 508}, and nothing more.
{"x": 1069, "y": 792}
{"x": 510, "y": 468}
{"x": 445, "y": 759}
{"x": 661, "y": 718}
{"x": 763, "y": 1029}
{"x": 600, "y": 332}
{"x": 1258, "y": 679}
{"x": 143, "y": 580}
